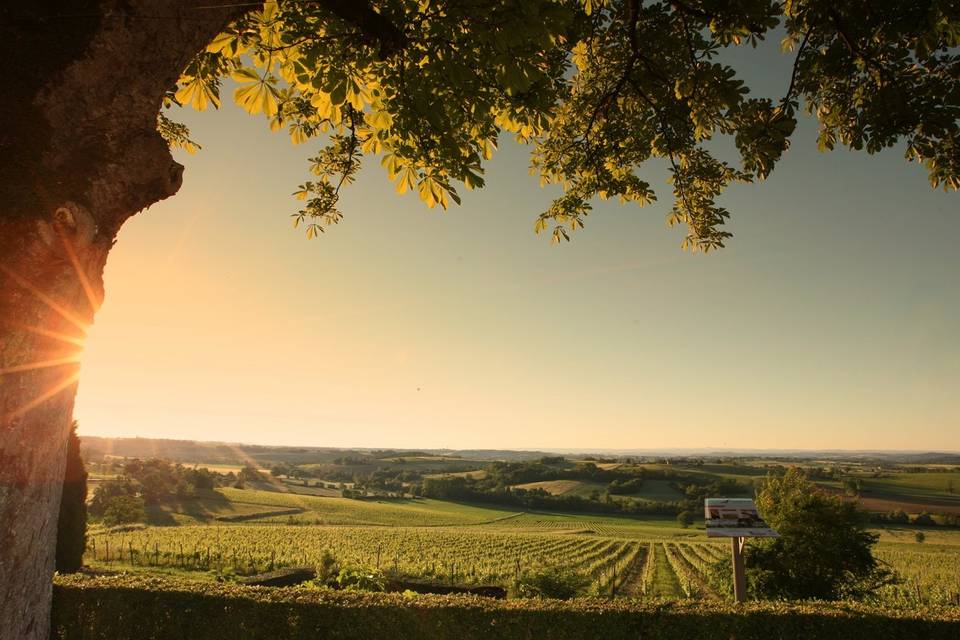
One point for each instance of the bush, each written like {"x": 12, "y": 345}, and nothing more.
{"x": 824, "y": 550}
{"x": 924, "y": 520}
{"x": 107, "y": 491}
{"x": 361, "y": 579}
{"x": 553, "y": 582}
{"x": 134, "y": 608}
{"x": 123, "y": 510}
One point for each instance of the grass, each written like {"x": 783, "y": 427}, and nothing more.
{"x": 657, "y": 491}
{"x": 400, "y": 512}
{"x": 901, "y": 536}
{"x": 663, "y": 582}
{"x": 565, "y": 487}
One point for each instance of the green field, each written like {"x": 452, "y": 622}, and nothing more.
{"x": 581, "y": 488}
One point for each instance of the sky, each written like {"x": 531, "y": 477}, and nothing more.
{"x": 829, "y": 321}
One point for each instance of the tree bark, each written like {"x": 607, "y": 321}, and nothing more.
{"x": 79, "y": 155}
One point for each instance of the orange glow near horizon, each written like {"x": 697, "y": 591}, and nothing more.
{"x": 402, "y": 327}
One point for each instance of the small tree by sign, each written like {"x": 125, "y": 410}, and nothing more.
{"x": 737, "y": 519}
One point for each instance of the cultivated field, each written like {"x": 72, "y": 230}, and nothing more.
{"x": 457, "y": 543}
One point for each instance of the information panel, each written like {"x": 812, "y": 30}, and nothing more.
{"x": 735, "y": 518}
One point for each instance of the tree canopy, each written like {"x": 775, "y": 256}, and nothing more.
{"x": 824, "y": 550}
{"x": 597, "y": 88}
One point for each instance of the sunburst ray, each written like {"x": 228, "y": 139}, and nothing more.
{"x": 41, "y": 364}
{"x": 65, "y": 313}
{"x": 46, "y": 395}
{"x": 56, "y": 335}
{"x": 93, "y": 299}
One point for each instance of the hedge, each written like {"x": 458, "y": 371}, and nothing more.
{"x": 150, "y": 608}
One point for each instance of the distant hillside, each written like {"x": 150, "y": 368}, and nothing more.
{"x": 238, "y": 453}
{"x": 96, "y": 447}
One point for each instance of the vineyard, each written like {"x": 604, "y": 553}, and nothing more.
{"x": 498, "y": 553}
{"x": 451, "y": 555}
{"x": 254, "y": 531}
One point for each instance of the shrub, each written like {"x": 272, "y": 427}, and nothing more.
{"x": 553, "y": 582}
{"x": 361, "y": 579}
{"x": 134, "y": 608}
{"x": 824, "y": 548}
{"x": 123, "y": 510}
{"x": 925, "y": 520}
{"x": 107, "y": 491}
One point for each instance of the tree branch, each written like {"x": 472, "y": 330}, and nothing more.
{"x": 374, "y": 26}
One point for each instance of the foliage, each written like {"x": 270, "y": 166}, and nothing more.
{"x": 466, "y": 555}
{"x": 72, "y": 521}
{"x": 483, "y": 491}
{"x": 824, "y": 548}
{"x": 153, "y": 481}
{"x": 557, "y": 582}
{"x": 123, "y": 510}
{"x": 327, "y": 568}
{"x": 361, "y": 579}
{"x": 107, "y": 491}
{"x": 130, "y": 608}
{"x": 598, "y": 88}
{"x": 625, "y": 486}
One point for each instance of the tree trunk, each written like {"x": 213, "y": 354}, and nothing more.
{"x": 79, "y": 155}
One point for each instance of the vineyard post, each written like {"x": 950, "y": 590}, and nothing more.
{"x": 739, "y": 573}
{"x": 107, "y": 542}
{"x": 156, "y": 553}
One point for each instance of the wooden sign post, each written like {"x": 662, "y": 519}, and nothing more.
{"x": 737, "y": 519}
{"x": 739, "y": 573}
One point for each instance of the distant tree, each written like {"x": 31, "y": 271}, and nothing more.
{"x": 250, "y": 473}
{"x": 124, "y": 509}
{"x": 824, "y": 548}
{"x": 201, "y": 479}
{"x": 920, "y": 536}
{"x": 852, "y": 486}
{"x": 107, "y": 491}
{"x": 685, "y": 519}
{"x": 72, "y": 523}
{"x": 925, "y": 520}
{"x": 899, "y": 517}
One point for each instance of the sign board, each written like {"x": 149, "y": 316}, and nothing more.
{"x": 735, "y": 518}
